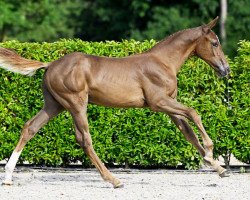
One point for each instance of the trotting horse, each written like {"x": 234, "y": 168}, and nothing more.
{"x": 143, "y": 80}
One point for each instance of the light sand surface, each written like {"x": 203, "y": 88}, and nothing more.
{"x": 86, "y": 184}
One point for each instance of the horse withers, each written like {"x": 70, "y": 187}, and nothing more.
{"x": 143, "y": 80}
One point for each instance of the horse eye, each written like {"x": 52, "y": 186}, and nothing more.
{"x": 215, "y": 44}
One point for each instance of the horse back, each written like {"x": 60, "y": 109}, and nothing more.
{"x": 113, "y": 82}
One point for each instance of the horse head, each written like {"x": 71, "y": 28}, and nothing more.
{"x": 209, "y": 49}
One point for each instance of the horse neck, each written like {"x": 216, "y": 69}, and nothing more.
{"x": 175, "y": 49}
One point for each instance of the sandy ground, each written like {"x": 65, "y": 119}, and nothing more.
{"x": 86, "y": 184}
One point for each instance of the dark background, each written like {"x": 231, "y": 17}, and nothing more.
{"x": 99, "y": 20}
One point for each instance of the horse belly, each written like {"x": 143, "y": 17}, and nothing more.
{"x": 117, "y": 96}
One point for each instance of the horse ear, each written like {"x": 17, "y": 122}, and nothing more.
{"x": 212, "y": 23}
{"x": 206, "y": 28}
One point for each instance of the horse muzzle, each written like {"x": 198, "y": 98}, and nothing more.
{"x": 222, "y": 70}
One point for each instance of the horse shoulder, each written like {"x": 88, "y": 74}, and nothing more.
{"x": 158, "y": 81}
{"x": 158, "y": 74}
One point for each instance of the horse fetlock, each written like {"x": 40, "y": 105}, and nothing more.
{"x": 8, "y": 175}
{"x": 208, "y": 160}
{"x": 106, "y": 178}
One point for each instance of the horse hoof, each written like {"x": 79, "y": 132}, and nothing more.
{"x": 224, "y": 174}
{"x": 7, "y": 182}
{"x": 118, "y": 184}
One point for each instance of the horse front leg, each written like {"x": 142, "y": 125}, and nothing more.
{"x": 173, "y": 108}
{"x": 83, "y": 138}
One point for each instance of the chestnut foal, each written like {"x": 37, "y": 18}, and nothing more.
{"x": 143, "y": 80}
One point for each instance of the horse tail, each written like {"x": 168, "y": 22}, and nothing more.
{"x": 11, "y": 61}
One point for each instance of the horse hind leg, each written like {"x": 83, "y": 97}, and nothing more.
{"x": 51, "y": 108}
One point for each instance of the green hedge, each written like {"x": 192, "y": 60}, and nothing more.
{"x": 135, "y": 136}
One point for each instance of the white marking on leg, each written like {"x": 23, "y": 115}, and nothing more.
{"x": 10, "y": 166}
